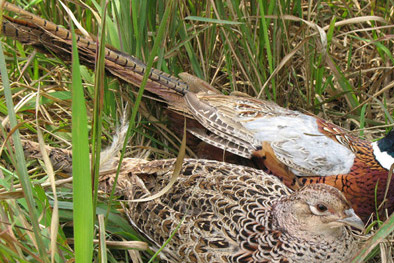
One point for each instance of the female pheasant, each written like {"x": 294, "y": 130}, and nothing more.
{"x": 298, "y": 148}
{"x": 232, "y": 213}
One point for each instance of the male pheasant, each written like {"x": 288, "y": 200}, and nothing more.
{"x": 233, "y": 213}
{"x": 298, "y": 148}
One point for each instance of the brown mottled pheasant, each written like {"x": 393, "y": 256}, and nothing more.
{"x": 232, "y": 213}
{"x": 299, "y": 149}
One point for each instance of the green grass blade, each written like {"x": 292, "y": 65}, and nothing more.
{"x": 212, "y": 20}
{"x": 98, "y": 105}
{"x": 82, "y": 184}
{"x": 267, "y": 46}
{"x": 135, "y": 27}
{"x": 344, "y": 84}
{"x": 167, "y": 241}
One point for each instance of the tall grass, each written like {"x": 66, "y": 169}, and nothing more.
{"x": 268, "y": 49}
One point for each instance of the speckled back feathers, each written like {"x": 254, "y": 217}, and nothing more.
{"x": 225, "y": 213}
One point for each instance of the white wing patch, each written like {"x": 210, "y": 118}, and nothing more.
{"x": 298, "y": 143}
{"x": 240, "y": 125}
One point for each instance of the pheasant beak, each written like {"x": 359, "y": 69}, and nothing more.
{"x": 352, "y": 220}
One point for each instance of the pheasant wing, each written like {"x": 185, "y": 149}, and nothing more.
{"x": 241, "y": 125}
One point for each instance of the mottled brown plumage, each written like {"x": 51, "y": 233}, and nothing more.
{"x": 232, "y": 213}
{"x": 226, "y": 212}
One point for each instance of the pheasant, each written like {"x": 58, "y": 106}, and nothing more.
{"x": 233, "y": 213}
{"x": 299, "y": 149}
{"x": 223, "y": 212}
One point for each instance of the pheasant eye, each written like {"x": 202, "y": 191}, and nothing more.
{"x": 321, "y": 208}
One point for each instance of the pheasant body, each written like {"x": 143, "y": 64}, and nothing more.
{"x": 232, "y": 213}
